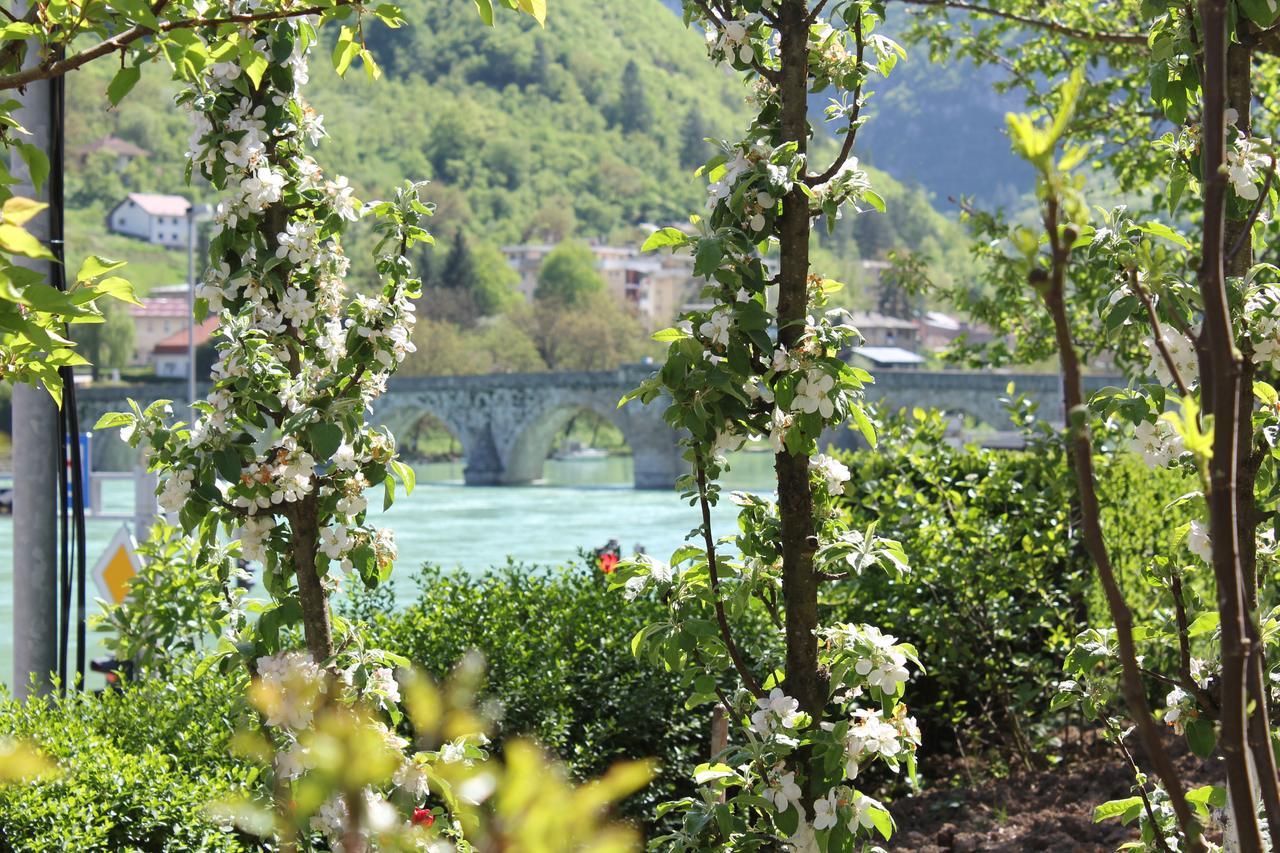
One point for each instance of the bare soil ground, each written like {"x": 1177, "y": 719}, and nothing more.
{"x": 1046, "y": 810}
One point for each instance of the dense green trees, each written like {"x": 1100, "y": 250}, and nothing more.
{"x": 568, "y": 275}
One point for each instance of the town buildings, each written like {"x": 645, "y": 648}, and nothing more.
{"x": 655, "y": 286}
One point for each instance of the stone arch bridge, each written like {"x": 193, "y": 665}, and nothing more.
{"x": 506, "y": 423}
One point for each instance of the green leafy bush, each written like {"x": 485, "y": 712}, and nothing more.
{"x": 1000, "y": 582}
{"x": 138, "y": 769}
{"x": 173, "y": 605}
{"x": 557, "y": 646}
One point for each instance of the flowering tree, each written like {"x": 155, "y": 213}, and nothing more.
{"x": 762, "y": 362}
{"x": 1202, "y": 314}
{"x": 279, "y": 459}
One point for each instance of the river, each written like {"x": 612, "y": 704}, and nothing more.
{"x": 580, "y": 504}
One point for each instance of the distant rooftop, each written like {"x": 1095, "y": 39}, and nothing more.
{"x": 160, "y": 205}
{"x": 163, "y": 306}
{"x": 889, "y": 356}
{"x": 176, "y": 344}
{"x": 876, "y": 320}
{"x": 938, "y": 320}
{"x": 114, "y": 145}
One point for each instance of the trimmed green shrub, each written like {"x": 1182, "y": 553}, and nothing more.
{"x": 138, "y": 769}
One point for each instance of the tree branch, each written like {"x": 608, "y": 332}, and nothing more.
{"x": 1053, "y": 292}
{"x": 1137, "y": 39}
{"x": 47, "y": 70}
{"x": 852, "y": 132}
{"x": 725, "y": 633}
{"x": 1157, "y": 332}
{"x": 1185, "y": 679}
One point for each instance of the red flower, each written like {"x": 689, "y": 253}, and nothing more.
{"x": 423, "y": 817}
{"x": 608, "y": 562}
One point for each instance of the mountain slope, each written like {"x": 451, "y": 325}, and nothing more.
{"x": 588, "y": 127}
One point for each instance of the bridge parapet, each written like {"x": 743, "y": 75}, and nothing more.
{"x": 506, "y": 423}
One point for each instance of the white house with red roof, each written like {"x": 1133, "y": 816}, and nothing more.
{"x": 159, "y": 219}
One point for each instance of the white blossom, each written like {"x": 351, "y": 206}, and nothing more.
{"x": 383, "y": 682}
{"x": 813, "y": 394}
{"x": 826, "y": 811}
{"x": 1198, "y": 541}
{"x": 833, "y": 471}
{"x": 264, "y": 187}
{"x": 175, "y": 489}
{"x": 1181, "y": 352}
{"x": 784, "y": 792}
{"x": 292, "y": 681}
{"x": 1158, "y": 443}
{"x": 1245, "y": 165}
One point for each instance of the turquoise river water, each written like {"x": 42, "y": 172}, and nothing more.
{"x": 580, "y": 504}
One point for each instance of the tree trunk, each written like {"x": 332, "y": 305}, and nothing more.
{"x": 795, "y": 501}
{"x": 311, "y": 595}
{"x": 1221, "y": 367}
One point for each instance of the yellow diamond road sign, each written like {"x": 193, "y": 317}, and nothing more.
{"x": 117, "y": 566}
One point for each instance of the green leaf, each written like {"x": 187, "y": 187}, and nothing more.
{"x": 1159, "y": 229}
{"x": 123, "y": 83}
{"x": 345, "y": 51}
{"x": 325, "y": 439}
{"x": 1115, "y": 808}
{"x": 227, "y": 461}
{"x": 1205, "y": 623}
{"x": 865, "y": 426}
{"x": 1201, "y": 737}
{"x": 371, "y": 69}
{"x": 485, "y": 8}
{"x": 536, "y": 8}
{"x": 406, "y": 474}
{"x": 388, "y": 493}
{"x": 665, "y": 237}
{"x": 19, "y": 211}
{"x": 95, "y": 266}
{"x": 1208, "y": 795}
{"x": 19, "y": 241}
{"x": 111, "y": 420}
{"x": 708, "y": 257}
{"x": 255, "y": 67}
{"x": 37, "y": 162}
{"x": 669, "y": 335}
{"x": 883, "y": 822}
{"x": 704, "y": 773}
{"x": 117, "y": 288}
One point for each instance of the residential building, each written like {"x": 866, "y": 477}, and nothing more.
{"x": 123, "y": 150}
{"x": 155, "y": 319}
{"x": 169, "y": 357}
{"x": 159, "y": 219}
{"x": 881, "y": 330}
{"x": 655, "y": 285}
{"x": 938, "y": 331}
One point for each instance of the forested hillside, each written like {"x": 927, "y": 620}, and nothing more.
{"x": 586, "y": 129}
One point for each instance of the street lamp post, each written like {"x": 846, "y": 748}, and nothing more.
{"x": 195, "y": 213}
